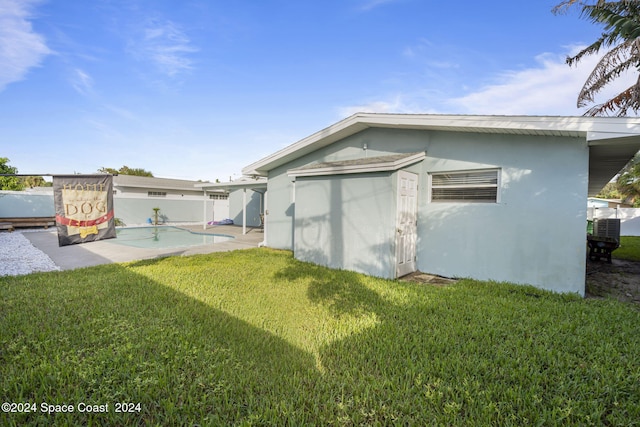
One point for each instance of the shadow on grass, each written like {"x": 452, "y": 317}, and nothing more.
{"x": 342, "y": 291}
{"x": 107, "y": 335}
{"x": 469, "y": 354}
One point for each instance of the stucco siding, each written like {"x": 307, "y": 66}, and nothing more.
{"x": 535, "y": 234}
{"x": 346, "y": 222}
{"x": 281, "y": 205}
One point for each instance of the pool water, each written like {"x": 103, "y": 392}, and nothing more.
{"x": 164, "y": 237}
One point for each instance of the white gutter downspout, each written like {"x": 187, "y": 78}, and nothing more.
{"x": 244, "y": 211}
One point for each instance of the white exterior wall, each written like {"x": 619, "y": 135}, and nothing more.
{"x": 138, "y": 193}
{"x": 347, "y": 222}
{"x": 534, "y": 235}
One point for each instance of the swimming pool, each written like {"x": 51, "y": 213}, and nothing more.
{"x": 164, "y": 237}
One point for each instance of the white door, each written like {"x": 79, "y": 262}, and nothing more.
{"x": 406, "y": 223}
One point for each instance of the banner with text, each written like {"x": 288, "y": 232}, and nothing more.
{"x": 84, "y": 208}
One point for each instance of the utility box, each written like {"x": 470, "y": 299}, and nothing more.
{"x": 607, "y": 227}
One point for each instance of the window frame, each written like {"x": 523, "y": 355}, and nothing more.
{"x": 218, "y": 196}
{"x": 156, "y": 194}
{"x": 497, "y": 185}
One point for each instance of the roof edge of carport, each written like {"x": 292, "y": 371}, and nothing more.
{"x": 607, "y": 156}
{"x": 233, "y": 185}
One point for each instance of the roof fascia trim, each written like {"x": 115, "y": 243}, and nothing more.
{"x": 353, "y": 169}
{"x": 590, "y": 128}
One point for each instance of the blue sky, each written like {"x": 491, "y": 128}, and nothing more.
{"x": 198, "y": 89}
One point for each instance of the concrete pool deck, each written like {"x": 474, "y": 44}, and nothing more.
{"x": 104, "y": 252}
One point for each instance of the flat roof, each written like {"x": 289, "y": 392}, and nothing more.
{"x": 244, "y": 182}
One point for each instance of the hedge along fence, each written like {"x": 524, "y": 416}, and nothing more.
{"x": 131, "y": 211}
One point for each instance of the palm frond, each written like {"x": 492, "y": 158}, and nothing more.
{"x": 620, "y": 104}
{"x": 610, "y": 67}
{"x": 565, "y": 5}
{"x": 592, "y": 49}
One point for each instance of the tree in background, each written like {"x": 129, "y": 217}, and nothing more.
{"x": 621, "y": 20}
{"x": 35, "y": 181}
{"x": 9, "y": 182}
{"x": 628, "y": 182}
{"x": 126, "y": 170}
{"x": 610, "y": 191}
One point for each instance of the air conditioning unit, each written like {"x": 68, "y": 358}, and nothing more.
{"x": 607, "y": 227}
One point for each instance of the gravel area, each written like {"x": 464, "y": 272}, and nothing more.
{"x": 18, "y": 256}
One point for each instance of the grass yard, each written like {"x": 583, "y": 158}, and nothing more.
{"x": 257, "y": 338}
{"x": 629, "y": 248}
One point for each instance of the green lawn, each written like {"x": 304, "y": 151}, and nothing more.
{"x": 629, "y": 248}
{"x": 256, "y": 338}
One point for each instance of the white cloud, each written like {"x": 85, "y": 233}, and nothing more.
{"x": 167, "y": 46}
{"x": 20, "y": 47}
{"x": 82, "y": 82}
{"x": 550, "y": 88}
{"x": 399, "y": 104}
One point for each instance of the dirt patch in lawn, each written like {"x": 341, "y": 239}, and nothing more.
{"x": 420, "y": 277}
{"x": 619, "y": 280}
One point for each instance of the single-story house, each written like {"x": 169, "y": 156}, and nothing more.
{"x": 157, "y": 188}
{"x": 179, "y": 200}
{"x": 487, "y": 197}
{"x": 596, "y": 202}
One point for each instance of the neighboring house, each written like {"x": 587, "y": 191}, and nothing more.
{"x": 179, "y": 200}
{"x": 157, "y": 188}
{"x": 487, "y": 197}
{"x": 595, "y": 202}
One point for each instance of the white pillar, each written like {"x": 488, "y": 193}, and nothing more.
{"x": 266, "y": 213}
{"x": 204, "y": 214}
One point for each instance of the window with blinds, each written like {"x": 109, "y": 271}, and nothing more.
{"x": 468, "y": 186}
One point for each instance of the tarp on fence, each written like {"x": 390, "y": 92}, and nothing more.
{"x": 84, "y": 208}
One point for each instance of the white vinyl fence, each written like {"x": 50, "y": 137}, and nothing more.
{"x": 629, "y": 218}
{"x": 130, "y": 210}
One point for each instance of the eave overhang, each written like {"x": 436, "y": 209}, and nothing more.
{"x": 364, "y": 165}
